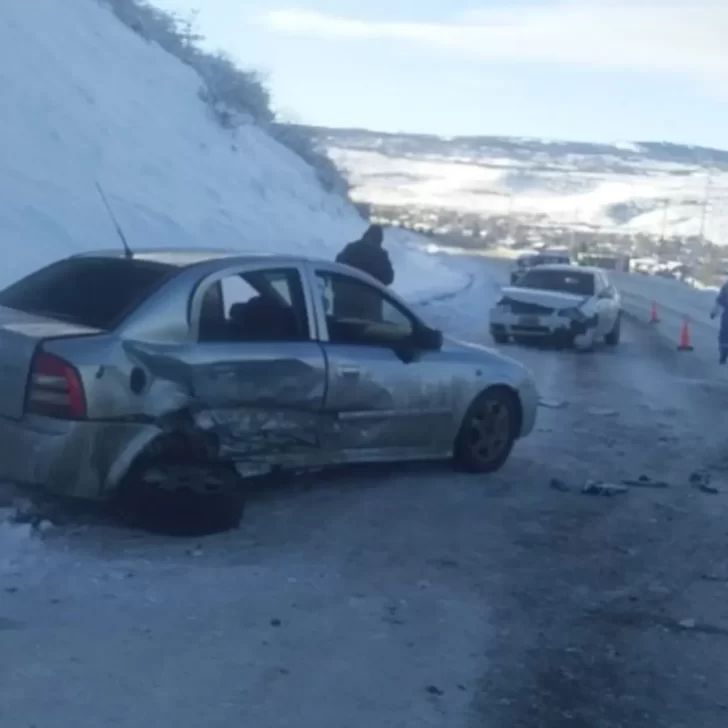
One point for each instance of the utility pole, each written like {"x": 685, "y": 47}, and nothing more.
{"x": 666, "y": 203}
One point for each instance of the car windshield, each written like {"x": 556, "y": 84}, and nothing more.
{"x": 567, "y": 281}
{"x": 95, "y": 292}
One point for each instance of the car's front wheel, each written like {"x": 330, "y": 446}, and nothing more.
{"x": 488, "y": 431}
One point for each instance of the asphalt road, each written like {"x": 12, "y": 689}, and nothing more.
{"x": 414, "y": 597}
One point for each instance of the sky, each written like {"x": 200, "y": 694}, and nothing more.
{"x": 592, "y": 70}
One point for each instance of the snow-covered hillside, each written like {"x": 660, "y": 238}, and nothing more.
{"x": 621, "y": 187}
{"x": 86, "y": 99}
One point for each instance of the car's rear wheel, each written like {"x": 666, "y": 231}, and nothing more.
{"x": 488, "y": 431}
{"x": 612, "y": 338}
{"x": 180, "y": 498}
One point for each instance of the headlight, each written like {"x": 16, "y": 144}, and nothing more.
{"x": 502, "y": 305}
{"x": 575, "y": 314}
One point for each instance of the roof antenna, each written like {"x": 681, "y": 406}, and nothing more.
{"x": 127, "y": 250}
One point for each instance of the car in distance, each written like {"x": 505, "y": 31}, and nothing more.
{"x": 525, "y": 262}
{"x": 166, "y": 374}
{"x": 569, "y": 305}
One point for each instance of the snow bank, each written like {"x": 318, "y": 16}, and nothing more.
{"x": 85, "y": 99}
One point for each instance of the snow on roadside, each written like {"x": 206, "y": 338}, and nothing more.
{"x": 465, "y": 315}
{"x": 88, "y": 100}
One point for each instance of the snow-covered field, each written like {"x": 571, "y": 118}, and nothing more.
{"x": 85, "y": 99}
{"x": 625, "y": 195}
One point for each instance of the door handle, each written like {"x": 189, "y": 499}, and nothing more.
{"x": 350, "y": 371}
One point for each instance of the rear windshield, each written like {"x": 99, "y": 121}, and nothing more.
{"x": 559, "y": 280}
{"x": 96, "y": 292}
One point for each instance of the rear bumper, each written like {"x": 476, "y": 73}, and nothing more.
{"x": 71, "y": 459}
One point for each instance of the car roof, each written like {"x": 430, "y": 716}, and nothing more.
{"x": 211, "y": 260}
{"x": 186, "y": 257}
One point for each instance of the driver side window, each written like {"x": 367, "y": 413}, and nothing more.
{"x": 359, "y": 314}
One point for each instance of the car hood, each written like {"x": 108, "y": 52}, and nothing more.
{"x": 553, "y": 299}
{"x": 512, "y": 368}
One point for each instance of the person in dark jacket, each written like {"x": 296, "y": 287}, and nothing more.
{"x": 721, "y": 307}
{"x": 368, "y": 255}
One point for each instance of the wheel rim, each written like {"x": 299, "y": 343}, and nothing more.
{"x": 490, "y": 430}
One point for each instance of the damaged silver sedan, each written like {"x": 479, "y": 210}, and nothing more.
{"x": 179, "y": 372}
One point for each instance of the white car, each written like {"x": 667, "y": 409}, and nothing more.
{"x": 568, "y": 305}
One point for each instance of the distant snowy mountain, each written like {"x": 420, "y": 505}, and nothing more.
{"x": 625, "y": 186}
{"x": 88, "y": 97}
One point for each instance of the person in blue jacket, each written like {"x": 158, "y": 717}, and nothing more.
{"x": 721, "y": 307}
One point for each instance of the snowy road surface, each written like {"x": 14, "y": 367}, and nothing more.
{"x": 416, "y": 597}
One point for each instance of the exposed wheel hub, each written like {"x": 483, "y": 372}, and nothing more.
{"x": 490, "y": 430}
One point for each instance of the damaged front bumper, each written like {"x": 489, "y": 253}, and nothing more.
{"x": 568, "y": 327}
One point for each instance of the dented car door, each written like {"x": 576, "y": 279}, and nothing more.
{"x": 385, "y": 398}
{"x": 259, "y": 376}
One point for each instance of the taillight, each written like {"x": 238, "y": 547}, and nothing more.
{"x": 55, "y": 389}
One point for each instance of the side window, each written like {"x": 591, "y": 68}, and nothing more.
{"x": 260, "y": 305}
{"x": 235, "y": 289}
{"x": 359, "y": 314}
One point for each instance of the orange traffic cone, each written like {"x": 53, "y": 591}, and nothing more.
{"x": 654, "y": 318}
{"x": 685, "y": 343}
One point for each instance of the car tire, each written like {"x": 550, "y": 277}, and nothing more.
{"x": 612, "y": 338}
{"x": 175, "y": 498}
{"x": 488, "y": 431}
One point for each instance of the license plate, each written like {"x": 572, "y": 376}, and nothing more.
{"x": 528, "y": 321}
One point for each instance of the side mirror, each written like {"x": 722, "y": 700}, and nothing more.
{"x": 426, "y": 338}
